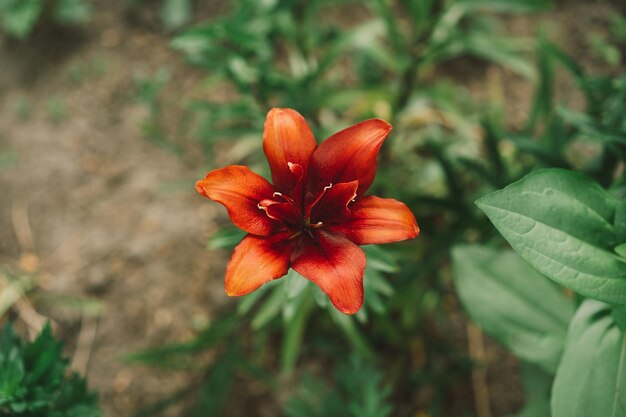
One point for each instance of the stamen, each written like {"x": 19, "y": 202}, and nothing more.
{"x": 317, "y": 200}
{"x": 264, "y": 208}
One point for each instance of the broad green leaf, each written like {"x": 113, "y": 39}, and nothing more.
{"x": 591, "y": 379}
{"x": 513, "y": 302}
{"x": 621, "y": 250}
{"x": 561, "y": 222}
{"x": 537, "y": 385}
{"x": 619, "y": 315}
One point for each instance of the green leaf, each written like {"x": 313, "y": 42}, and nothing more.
{"x": 217, "y": 384}
{"x": 353, "y": 335}
{"x": 227, "y": 237}
{"x": 513, "y": 302}
{"x": 19, "y": 16}
{"x": 175, "y": 13}
{"x": 504, "y": 6}
{"x": 620, "y": 222}
{"x": 380, "y": 259}
{"x": 294, "y": 327}
{"x": 270, "y": 309}
{"x": 314, "y": 397}
{"x": 357, "y": 390}
{"x": 34, "y": 380}
{"x": 619, "y": 315}
{"x": 43, "y": 356}
{"x": 72, "y": 11}
{"x": 591, "y": 379}
{"x": 621, "y": 250}
{"x": 363, "y": 384}
{"x": 561, "y": 222}
{"x": 172, "y": 354}
{"x": 11, "y": 374}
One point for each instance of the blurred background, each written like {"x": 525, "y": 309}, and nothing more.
{"x": 111, "y": 110}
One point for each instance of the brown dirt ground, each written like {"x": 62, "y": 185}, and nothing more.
{"x": 109, "y": 218}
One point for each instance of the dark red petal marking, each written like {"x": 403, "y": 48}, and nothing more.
{"x": 297, "y": 192}
{"x": 333, "y": 263}
{"x": 285, "y": 211}
{"x": 240, "y": 191}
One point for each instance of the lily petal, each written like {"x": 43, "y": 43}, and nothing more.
{"x": 348, "y": 155}
{"x": 375, "y": 220}
{"x": 334, "y": 202}
{"x": 240, "y": 191}
{"x": 257, "y": 260}
{"x": 286, "y": 212}
{"x": 287, "y": 141}
{"x": 336, "y": 265}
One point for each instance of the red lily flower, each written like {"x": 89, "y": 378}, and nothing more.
{"x": 315, "y": 215}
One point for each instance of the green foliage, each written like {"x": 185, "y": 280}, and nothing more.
{"x": 34, "y": 382}
{"x": 608, "y": 47}
{"x": 357, "y": 390}
{"x": 19, "y": 17}
{"x": 446, "y": 150}
{"x": 591, "y": 378}
{"x": 513, "y": 302}
{"x": 175, "y": 13}
{"x": 561, "y": 222}
{"x": 283, "y": 53}
{"x": 149, "y": 89}
{"x": 71, "y": 11}
{"x": 292, "y": 299}
{"x": 572, "y": 228}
